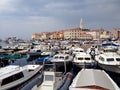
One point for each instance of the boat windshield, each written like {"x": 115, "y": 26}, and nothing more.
{"x": 118, "y": 59}
{"x": 80, "y": 58}
{"x": 110, "y": 59}
{"x": 61, "y": 57}
{"x": 48, "y": 77}
{"x": 56, "y": 57}
{"x": 86, "y": 58}
{"x": 101, "y": 58}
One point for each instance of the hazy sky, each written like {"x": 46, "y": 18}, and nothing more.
{"x": 22, "y": 18}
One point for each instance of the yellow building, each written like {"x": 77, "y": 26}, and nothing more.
{"x": 105, "y": 34}
{"x": 36, "y": 36}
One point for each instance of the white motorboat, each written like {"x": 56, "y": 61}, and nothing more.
{"x": 83, "y": 60}
{"x": 61, "y": 59}
{"x": 47, "y": 53}
{"x": 34, "y": 52}
{"x": 14, "y": 75}
{"x": 93, "y": 79}
{"x": 109, "y": 61}
{"x": 77, "y": 50}
{"x": 55, "y": 80}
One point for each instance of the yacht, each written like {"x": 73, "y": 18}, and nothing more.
{"x": 93, "y": 79}
{"x": 14, "y": 75}
{"x": 109, "y": 61}
{"x": 83, "y": 60}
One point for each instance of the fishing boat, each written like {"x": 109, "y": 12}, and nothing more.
{"x": 93, "y": 79}
{"x": 14, "y": 75}
{"x": 83, "y": 60}
{"x": 109, "y": 61}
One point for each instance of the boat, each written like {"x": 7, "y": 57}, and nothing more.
{"x": 54, "y": 80}
{"x": 34, "y": 52}
{"x": 14, "y": 75}
{"x": 37, "y": 80}
{"x": 61, "y": 59}
{"x": 47, "y": 53}
{"x": 77, "y": 50}
{"x": 83, "y": 60}
{"x": 41, "y": 60}
{"x": 14, "y": 56}
{"x": 7, "y": 59}
{"x": 108, "y": 47}
{"x": 109, "y": 61}
{"x": 93, "y": 79}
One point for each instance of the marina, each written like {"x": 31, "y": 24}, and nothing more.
{"x": 59, "y": 45}
{"x": 67, "y": 62}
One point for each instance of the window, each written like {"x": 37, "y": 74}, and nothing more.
{"x": 12, "y": 78}
{"x": 87, "y": 58}
{"x": 118, "y": 59}
{"x": 101, "y": 58}
{"x": 61, "y": 57}
{"x": 80, "y": 58}
{"x": 67, "y": 57}
{"x": 55, "y": 57}
{"x": 110, "y": 59}
{"x": 48, "y": 77}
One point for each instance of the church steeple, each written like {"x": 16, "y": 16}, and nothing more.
{"x": 81, "y": 24}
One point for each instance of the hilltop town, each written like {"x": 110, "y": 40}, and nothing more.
{"x": 78, "y": 33}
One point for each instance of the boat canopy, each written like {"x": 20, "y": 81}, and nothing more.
{"x": 109, "y": 44}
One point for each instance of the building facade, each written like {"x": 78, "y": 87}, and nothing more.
{"x": 115, "y": 33}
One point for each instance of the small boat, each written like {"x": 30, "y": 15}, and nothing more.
{"x": 54, "y": 80}
{"x": 41, "y": 60}
{"x": 34, "y": 52}
{"x": 83, "y": 60}
{"x": 108, "y": 47}
{"x": 77, "y": 51}
{"x": 7, "y": 59}
{"x": 93, "y": 79}
{"x": 14, "y": 56}
{"x": 61, "y": 59}
{"x": 109, "y": 61}
{"x": 14, "y": 75}
{"x": 47, "y": 53}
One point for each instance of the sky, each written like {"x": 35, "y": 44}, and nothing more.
{"x": 22, "y": 18}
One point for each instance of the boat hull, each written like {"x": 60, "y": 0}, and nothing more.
{"x": 85, "y": 65}
{"x": 111, "y": 68}
{"x": 61, "y": 64}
